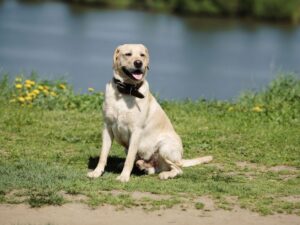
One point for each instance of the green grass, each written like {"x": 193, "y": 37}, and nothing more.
{"x": 47, "y": 145}
{"x": 199, "y": 205}
{"x": 275, "y": 10}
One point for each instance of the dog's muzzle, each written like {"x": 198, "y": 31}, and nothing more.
{"x": 135, "y": 74}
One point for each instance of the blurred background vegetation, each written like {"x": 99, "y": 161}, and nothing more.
{"x": 276, "y": 10}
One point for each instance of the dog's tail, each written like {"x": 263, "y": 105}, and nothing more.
{"x": 196, "y": 161}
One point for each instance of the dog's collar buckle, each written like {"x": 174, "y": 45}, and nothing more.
{"x": 129, "y": 89}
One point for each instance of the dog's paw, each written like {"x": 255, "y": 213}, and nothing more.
{"x": 140, "y": 164}
{"x": 164, "y": 175}
{"x": 123, "y": 178}
{"x": 95, "y": 173}
{"x": 150, "y": 171}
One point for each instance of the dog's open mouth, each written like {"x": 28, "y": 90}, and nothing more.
{"x": 136, "y": 74}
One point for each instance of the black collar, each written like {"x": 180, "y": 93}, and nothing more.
{"x": 129, "y": 89}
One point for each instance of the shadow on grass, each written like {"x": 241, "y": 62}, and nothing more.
{"x": 114, "y": 165}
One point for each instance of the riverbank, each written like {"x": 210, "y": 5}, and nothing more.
{"x": 257, "y": 9}
{"x": 50, "y": 137}
{"x": 78, "y": 214}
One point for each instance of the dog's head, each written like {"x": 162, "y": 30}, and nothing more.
{"x": 131, "y": 62}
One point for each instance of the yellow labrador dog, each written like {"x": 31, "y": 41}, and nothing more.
{"x": 133, "y": 117}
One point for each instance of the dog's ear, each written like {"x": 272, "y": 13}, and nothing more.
{"x": 146, "y": 50}
{"x": 115, "y": 56}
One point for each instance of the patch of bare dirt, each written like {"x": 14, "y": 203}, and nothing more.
{"x": 292, "y": 198}
{"x": 254, "y": 166}
{"x": 76, "y": 198}
{"x": 140, "y": 195}
{"x": 282, "y": 168}
{"x": 209, "y": 204}
{"x": 78, "y": 214}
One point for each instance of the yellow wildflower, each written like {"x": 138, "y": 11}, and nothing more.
{"x": 52, "y": 93}
{"x": 257, "y": 109}
{"x": 21, "y": 99}
{"x": 32, "y": 95}
{"x": 40, "y": 87}
{"x": 46, "y": 88}
{"x": 36, "y": 91}
{"x": 31, "y": 82}
{"x": 28, "y": 98}
{"x": 46, "y": 92}
{"x": 19, "y": 86}
{"x": 62, "y": 86}
{"x": 91, "y": 89}
{"x": 28, "y": 85}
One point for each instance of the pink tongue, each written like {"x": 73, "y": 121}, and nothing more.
{"x": 137, "y": 76}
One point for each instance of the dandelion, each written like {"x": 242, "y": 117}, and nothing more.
{"x": 91, "y": 89}
{"x": 28, "y": 85}
{"x": 40, "y": 87}
{"x": 18, "y": 86}
{"x": 46, "y": 92}
{"x": 62, "y": 86}
{"x": 28, "y": 98}
{"x": 32, "y": 95}
{"x": 31, "y": 82}
{"x": 21, "y": 99}
{"x": 257, "y": 109}
{"x": 36, "y": 91}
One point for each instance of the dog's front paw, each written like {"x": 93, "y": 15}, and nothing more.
{"x": 95, "y": 173}
{"x": 123, "y": 178}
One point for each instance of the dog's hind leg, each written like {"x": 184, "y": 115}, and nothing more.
{"x": 170, "y": 156}
{"x": 174, "y": 170}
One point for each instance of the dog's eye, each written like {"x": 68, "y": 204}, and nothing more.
{"x": 142, "y": 55}
{"x": 128, "y": 54}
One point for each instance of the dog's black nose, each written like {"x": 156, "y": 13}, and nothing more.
{"x": 138, "y": 63}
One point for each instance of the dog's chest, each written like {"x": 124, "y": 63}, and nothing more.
{"x": 122, "y": 120}
{"x": 123, "y": 111}
{"x": 123, "y": 115}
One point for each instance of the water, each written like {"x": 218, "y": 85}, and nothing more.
{"x": 190, "y": 58}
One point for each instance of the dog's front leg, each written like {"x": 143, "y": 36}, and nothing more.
{"x": 107, "y": 138}
{"x": 131, "y": 156}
